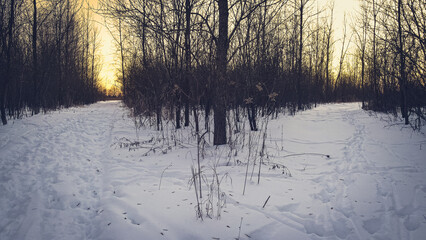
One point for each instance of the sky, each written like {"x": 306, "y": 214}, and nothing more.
{"x": 340, "y": 8}
{"x": 107, "y": 52}
{"x": 110, "y": 59}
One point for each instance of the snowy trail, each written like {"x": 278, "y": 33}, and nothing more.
{"x": 358, "y": 195}
{"x": 382, "y": 208}
{"x": 73, "y": 174}
{"x": 52, "y": 165}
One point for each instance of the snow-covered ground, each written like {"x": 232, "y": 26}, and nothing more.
{"x": 86, "y": 173}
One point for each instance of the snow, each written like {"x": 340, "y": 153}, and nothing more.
{"x": 88, "y": 173}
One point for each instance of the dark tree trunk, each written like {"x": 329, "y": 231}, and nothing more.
{"x": 178, "y": 125}
{"x": 375, "y": 85}
{"x": 207, "y": 115}
{"x": 219, "y": 122}
{"x": 328, "y": 57}
{"x": 197, "y": 121}
{"x": 177, "y": 73}
{"x": 362, "y": 78}
{"x": 8, "y": 63}
{"x": 35, "y": 70}
{"x": 299, "y": 64}
{"x": 221, "y": 64}
{"x": 187, "y": 57}
{"x": 158, "y": 117}
{"x": 186, "y": 112}
{"x": 403, "y": 77}
{"x": 144, "y": 57}
{"x": 251, "y": 113}
{"x": 2, "y": 104}
{"x": 122, "y": 58}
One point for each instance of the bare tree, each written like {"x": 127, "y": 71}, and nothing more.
{"x": 329, "y": 53}
{"x": 345, "y": 46}
{"x": 361, "y": 35}
{"x": 403, "y": 76}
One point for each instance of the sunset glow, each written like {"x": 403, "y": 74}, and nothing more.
{"x": 109, "y": 60}
{"x": 108, "y": 76}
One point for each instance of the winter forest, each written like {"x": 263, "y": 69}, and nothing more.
{"x": 255, "y": 56}
{"x": 265, "y": 118}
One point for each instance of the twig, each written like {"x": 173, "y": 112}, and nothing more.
{"x": 262, "y": 152}
{"x": 239, "y": 232}
{"x": 266, "y": 201}
{"x": 198, "y": 160}
{"x": 199, "y": 212}
{"x": 248, "y": 162}
{"x": 161, "y": 178}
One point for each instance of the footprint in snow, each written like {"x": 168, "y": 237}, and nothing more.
{"x": 372, "y": 225}
{"x": 342, "y": 228}
{"x": 412, "y": 222}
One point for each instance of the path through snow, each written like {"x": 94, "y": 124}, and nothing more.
{"x": 85, "y": 173}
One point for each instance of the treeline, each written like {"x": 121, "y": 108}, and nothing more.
{"x": 260, "y": 56}
{"x": 391, "y": 56}
{"x": 255, "y": 56}
{"x": 48, "y": 56}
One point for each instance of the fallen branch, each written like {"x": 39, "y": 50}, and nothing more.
{"x": 286, "y": 171}
{"x": 301, "y": 154}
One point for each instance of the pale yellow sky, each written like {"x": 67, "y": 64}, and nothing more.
{"x": 110, "y": 61}
{"x": 350, "y": 7}
{"x": 108, "y": 56}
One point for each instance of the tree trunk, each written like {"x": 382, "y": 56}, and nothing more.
{"x": 2, "y": 104}
{"x": 196, "y": 120}
{"x": 35, "y": 84}
{"x": 187, "y": 57}
{"x": 178, "y": 115}
{"x": 122, "y": 58}
{"x": 158, "y": 118}
{"x": 206, "y": 116}
{"x": 177, "y": 73}
{"x": 363, "y": 45}
{"x": 144, "y": 57}
{"x": 328, "y": 57}
{"x": 299, "y": 64}
{"x": 92, "y": 90}
{"x": 221, "y": 64}
{"x": 251, "y": 113}
{"x": 375, "y": 85}
{"x": 362, "y": 77}
{"x": 403, "y": 77}
{"x": 8, "y": 63}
